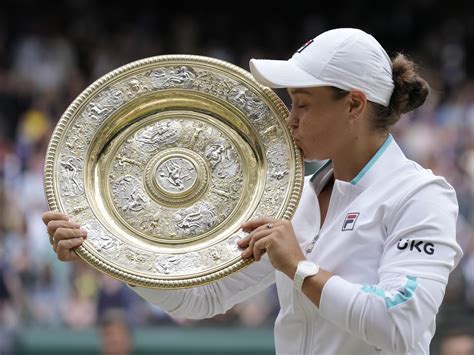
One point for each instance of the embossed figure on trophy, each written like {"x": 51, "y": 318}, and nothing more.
{"x": 213, "y": 84}
{"x": 78, "y": 209}
{"x": 110, "y": 100}
{"x": 152, "y": 134}
{"x": 172, "y": 77}
{"x": 158, "y": 135}
{"x": 136, "y": 201}
{"x": 175, "y": 175}
{"x": 73, "y": 186}
{"x": 247, "y": 101}
{"x": 214, "y": 253}
{"x": 133, "y": 87}
{"x": 196, "y": 219}
{"x": 167, "y": 264}
{"x": 75, "y": 143}
{"x": 197, "y": 131}
{"x": 141, "y": 261}
{"x": 96, "y": 112}
{"x": 232, "y": 191}
{"x": 191, "y": 221}
{"x": 79, "y": 138}
{"x": 220, "y": 159}
{"x": 152, "y": 224}
{"x": 278, "y": 163}
{"x": 215, "y": 153}
{"x": 130, "y": 198}
{"x": 101, "y": 241}
{"x": 123, "y": 159}
{"x": 278, "y": 174}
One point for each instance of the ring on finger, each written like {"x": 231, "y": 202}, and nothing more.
{"x": 269, "y": 225}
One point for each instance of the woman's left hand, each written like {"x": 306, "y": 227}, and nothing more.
{"x": 277, "y": 239}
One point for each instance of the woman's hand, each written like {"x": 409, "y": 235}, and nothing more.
{"x": 64, "y": 236}
{"x": 277, "y": 239}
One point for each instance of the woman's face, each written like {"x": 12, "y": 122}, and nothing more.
{"x": 318, "y": 121}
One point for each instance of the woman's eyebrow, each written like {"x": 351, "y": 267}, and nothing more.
{"x": 298, "y": 91}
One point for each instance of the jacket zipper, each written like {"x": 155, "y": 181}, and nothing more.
{"x": 310, "y": 247}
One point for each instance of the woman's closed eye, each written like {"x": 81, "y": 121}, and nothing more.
{"x": 298, "y": 106}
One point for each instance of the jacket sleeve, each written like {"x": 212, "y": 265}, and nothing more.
{"x": 419, "y": 253}
{"x": 214, "y": 298}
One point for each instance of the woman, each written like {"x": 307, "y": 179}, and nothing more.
{"x": 363, "y": 265}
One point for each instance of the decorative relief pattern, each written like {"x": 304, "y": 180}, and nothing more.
{"x": 101, "y": 241}
{"x": 176, "y": 175}
{"x": 108, "y": 101}
{"x": 195, "y": 220}
{"x": 71, "y": 179}
{"x": 277, "y": 157}
{"x": 79, "y": 138}
{"x": 248, "y": 102}
{"x": 222, "y": 158}
{"x": 126, "y": 177}
{"x": 128, "y": 195}
{"x": 158, "y": 135}
{"x": 137, "y": 259}
{"x": 173, "y": 77}
{"x": 179, "y": 264}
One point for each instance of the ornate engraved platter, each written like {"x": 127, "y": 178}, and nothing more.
{"x": 162, "y": 159}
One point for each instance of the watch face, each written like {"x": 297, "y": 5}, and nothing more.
{"x": 308, "y": 268}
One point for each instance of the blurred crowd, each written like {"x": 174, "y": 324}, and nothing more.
{"x": 48, "y": 58}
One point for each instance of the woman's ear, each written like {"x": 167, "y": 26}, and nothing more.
{"x": 357, "y": 103}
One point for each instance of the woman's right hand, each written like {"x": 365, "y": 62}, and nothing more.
{"x": 64, "y": 235}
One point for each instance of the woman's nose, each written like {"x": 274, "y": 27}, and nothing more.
{"x": 292, "y": 121}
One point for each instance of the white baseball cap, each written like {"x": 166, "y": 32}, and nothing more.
{"x": 346, "y": 58}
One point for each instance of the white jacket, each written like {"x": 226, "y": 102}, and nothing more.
{"x": 389, "y": 236}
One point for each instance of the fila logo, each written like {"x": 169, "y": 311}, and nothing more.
{"x": 303, "y": 47}
{"x": 349, "y": 221}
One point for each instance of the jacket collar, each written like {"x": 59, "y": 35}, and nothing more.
{"x": 387, "y": 159}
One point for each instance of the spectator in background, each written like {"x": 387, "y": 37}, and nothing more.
{"x": 115, "y": 334}
{"x": 10, "y": 300}
{"x": 114, "y": 295}
{"x": 457, "y": 343}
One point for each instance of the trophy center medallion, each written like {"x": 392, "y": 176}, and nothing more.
{"x": 176, "y": 175}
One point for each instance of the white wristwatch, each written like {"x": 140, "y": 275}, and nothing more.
{"x": 305, "y": 269}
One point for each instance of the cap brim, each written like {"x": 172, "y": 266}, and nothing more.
{"x": 282, "y": 74}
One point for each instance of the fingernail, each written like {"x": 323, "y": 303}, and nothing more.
{"x": 83, "y": 233}
{"x": 76, "y": 225}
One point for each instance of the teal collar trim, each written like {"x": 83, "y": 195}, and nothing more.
{"x": 372, "y": 161}
{"x": 321, "y": 168}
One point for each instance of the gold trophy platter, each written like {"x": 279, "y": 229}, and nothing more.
{"x": 162, "y": 159}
